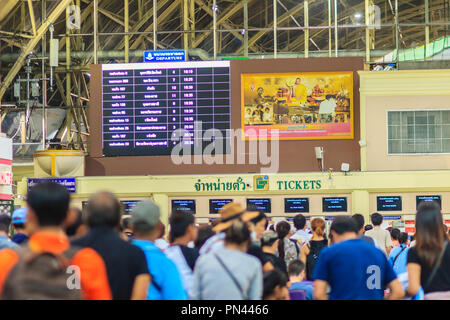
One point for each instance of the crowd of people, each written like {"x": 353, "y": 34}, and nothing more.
{"x": 52, "y": 251}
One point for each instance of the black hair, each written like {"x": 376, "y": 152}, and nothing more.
{"x": 272, "y": 279}
{"x": 295, "y": 267}
{"x": 72, "y": 229}
{"x": 368, "y": 227}
{"x": 237, "y": 233}
{"x": 299, "y": 221}
{"x": 19, "y": 225}
{"x": 204, "y": 233}
{"x": 359, "y": 220}
{"x": 259, "y": 217}
{"x": 341, "y": 225}
{"x": 402, "y": 238}
{"x": 103, "y": 210}
{"x": 395, "y": 233}
{"x": 50, "y": 203}
{"x": 376, "y": 219}
{"x": 283, "y": 228}
{"x": 272, "y": 227}
{"x": 125, "y": 223}
{"x": 179, "y": 223}
{"x": 5, "y": 222}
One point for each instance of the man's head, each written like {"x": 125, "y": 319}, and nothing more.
{"x": 260, "y": 90}
{"x": 145, "y": 220}
{"x": 74, "y": 223}
{"x": 269, "y": 241}
{"x": 343, "y": 228}
{"x": 300, "y": 222}
{"x": 103, "y": 210}
{"x": 298, "y": 81}
{"x": 403, "y": 238}
{"x": 182, "y": 225}
{"x": 376, "y": 218}
{"x": 296, "y": 271}
{"x": 359, "y": 221}
{"x": 395, "y": 233}
{"x": 5, "y": 222}
{"x": 47, "y": 206}
{"x": 19, "y": 218}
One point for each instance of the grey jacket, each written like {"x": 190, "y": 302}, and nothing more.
{"x": 213, "y": 282}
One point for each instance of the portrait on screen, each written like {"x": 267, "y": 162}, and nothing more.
{"x": 299, "y": 105}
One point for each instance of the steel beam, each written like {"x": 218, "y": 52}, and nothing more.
{"x": 60, "y": 7}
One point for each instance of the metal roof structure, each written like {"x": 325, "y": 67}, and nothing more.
{"x": 108, "y": 31}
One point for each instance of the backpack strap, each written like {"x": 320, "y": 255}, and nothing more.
{"x": 296, "y": 246}
{"x": 244, "y": 296}
{"x": 398, "y": 255}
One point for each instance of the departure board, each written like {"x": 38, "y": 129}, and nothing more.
{"x": 149, "y": 108}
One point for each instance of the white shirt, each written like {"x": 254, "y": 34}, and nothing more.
{"x": 302, "y": 237}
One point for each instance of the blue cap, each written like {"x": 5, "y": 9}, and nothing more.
{"x": 19, "y": 216}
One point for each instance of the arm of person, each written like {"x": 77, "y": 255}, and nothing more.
{"x": 414, "y": 270}
{"x": 388, "y": 250}
{"x": 303, "y": 253}
{"x": 142, "y": 277}
{"x": 140, "y": 287}
{"x": 320, "y": 290}
{"x": 396, "y": 290}
{"x": 93, "y": 276}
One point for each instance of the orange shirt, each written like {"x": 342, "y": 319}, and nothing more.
{"x": 93, "y": 276}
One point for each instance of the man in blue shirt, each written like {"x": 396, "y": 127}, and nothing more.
{"x": 5, "y": 242}
{"x": 19, "y": 218}
{"x": 398, "y": 255}
{"x": 166, "y": 281}
{"x": 296, "y": 271}
{"x": 353, "y": 268}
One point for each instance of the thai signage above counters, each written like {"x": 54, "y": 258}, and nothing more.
{"x": 260, "y": 183}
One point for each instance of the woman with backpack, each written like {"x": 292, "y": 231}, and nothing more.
{"x": 287, "y": 249}
{"x": 310, "y": 252}
{"x": 429, "y": 260}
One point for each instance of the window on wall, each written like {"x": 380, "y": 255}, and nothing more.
{"x": 418, "y": 131}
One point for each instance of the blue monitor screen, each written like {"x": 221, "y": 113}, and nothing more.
{"x": 216, "y": 204}
{"x": 293, "y": 205}
{"x": 389, "y": 203}
{"x": 183, "y": 205}
{"x": 419, "y": 199}
{"x": 263, "y": 205}
{"x": 335, "y": 204}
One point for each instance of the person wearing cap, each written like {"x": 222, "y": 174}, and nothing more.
{"x": 19, "y": 218}
{"x": 229, "y": 213}
{"x": 166, "y": 281}
{"x": 5, "y": 242}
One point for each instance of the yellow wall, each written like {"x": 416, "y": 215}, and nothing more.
{"x": 399, "y": 90}
{"x": 361, "y": 188}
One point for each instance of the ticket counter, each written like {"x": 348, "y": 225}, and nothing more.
{"x": 360, "y": 189}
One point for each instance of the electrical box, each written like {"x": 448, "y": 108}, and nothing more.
{"x": 17, "y": 90}
{"x": 54, "y": 52}
{"x": 35, "y": 89}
